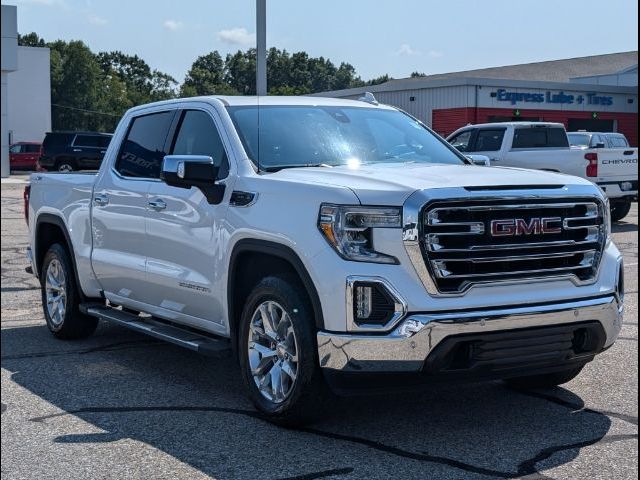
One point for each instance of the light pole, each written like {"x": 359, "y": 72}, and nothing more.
{"x": 261, "y": 47}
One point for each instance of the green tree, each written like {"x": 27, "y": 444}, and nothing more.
{"x": 206, "y": 77}
{"x": 76, "y": 87}
{"x": 31, "y": 40}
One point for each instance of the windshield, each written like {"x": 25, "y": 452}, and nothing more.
{"x": 579, "y": 139}
{"x": 297, "y": 136}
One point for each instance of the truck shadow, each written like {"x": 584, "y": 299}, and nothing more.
{"x": 126, "y": 386}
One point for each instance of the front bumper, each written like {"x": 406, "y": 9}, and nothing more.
{"x": 408, "y": 348}
{"x": 614, "y": 190}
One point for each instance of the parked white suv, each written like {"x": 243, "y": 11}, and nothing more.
{"x": 329, "y": 243}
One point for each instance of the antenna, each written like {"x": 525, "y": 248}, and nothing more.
{"x": 369, "y": 98}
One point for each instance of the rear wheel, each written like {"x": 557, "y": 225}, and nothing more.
{"x": 65, "y": 166}
{"x": 544, "y": 381}
{"x": 619, "y": 210}
{"x": 278, "y": 353}
{"x": 60, "y": 299}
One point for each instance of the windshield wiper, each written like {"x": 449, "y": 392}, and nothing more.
{"x": 275, "y": 168}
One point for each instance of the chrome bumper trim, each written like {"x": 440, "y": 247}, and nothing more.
{"x": 406, "y": 348}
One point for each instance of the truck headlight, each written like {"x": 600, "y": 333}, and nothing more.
{"x": 348, "y": 229}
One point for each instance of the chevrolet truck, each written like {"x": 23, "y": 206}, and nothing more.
{"x": 545, "y": 146}
{"x": 332, "y": 245}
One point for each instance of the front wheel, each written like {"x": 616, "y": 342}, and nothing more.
{"x": 278, "y": 353}
{"x": 619, "y": 210}
{"x": 60, "y": 299}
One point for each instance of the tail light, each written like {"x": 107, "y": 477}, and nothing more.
{"x": 592, "y": 168}
{"x": 25, "y": 196}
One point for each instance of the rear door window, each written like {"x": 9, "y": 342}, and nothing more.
{"x": 86, "y": 141}
{"x": 489, "y": 140}
{"x": 540, "y": 137}
{"x": 618, "y": 142}
{"x": 31, "y": 148}
{"x": 143, "y": 149}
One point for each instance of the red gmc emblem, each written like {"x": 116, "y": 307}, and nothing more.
{"x": 519, "y": 226}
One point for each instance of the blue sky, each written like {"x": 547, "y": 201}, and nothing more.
{"x": 377, "y": 37}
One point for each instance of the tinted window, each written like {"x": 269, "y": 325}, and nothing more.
{"x": 461, "y": 140}
{"x": 103, "y": 141}
{"x": 489, "y": 140}
{"x": 198, "y": 136}
{"x": 142, "y": 151}
{"x": 57, "y": 140}
{"x": 298, "y": 136}
{"x": 540, "y": 137}
{"x": 31, "y": 148}
{"x": 86, "y": 141}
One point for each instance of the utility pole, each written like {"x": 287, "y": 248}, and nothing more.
{"x": 261, "y": 47}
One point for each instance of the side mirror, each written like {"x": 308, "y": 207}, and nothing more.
{"x": 186, "y": 171}
{"x": 599, "y": 145}
{"x": 481, "y": 160}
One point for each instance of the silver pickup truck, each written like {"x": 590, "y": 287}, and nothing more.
{"x": 334, "y": 245}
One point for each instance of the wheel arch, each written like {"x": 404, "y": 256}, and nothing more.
{"x": 269, "y": 255}
{"x": 52, "y": 229}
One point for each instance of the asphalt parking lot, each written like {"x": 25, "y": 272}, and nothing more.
{"x": 122, "y": 405}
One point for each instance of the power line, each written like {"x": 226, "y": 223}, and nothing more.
{"x": 84, "y": 110}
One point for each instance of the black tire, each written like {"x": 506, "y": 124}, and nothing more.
{"x": 65, "y": 165}
{"x": 619, "y": 210}
{"x": 73, "y": 324}
{"x": 309, "y": 394}
{"x": 548, "y": 380}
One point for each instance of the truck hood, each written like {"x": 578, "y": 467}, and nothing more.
{"x": 391, "y": 184}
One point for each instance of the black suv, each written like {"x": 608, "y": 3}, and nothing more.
{"x": 69, "y": 151}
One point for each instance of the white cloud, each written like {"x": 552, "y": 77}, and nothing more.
{"x": 435, "y": 54}
{"x": 237, "y": 36}
{"x": 172, "y": 25}
{"x": 96, "y": 20}
{"x": 406, "y": 50}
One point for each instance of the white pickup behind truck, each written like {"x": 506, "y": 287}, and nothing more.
{"x": 544, "y": 146}
{"x": 329, "y": 243}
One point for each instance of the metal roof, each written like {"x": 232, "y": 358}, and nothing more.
{"x": 553, "y": 71}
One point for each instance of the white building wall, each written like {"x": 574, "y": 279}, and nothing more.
{"x": 30, "y": 95}
{"x": 8, "y": 59}
{"x": 425, "y": 100}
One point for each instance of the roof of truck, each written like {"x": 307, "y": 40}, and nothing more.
{"x": 272, "y": 100}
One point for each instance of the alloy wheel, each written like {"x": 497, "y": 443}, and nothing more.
{"x": 56, "y": 292}
{"x": 273, "y": 351}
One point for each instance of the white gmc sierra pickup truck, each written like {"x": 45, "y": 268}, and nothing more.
{"x": 335, "y": 245}
{"x": 545, "y": 146}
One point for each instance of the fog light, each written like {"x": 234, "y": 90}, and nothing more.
{"x": 363, "y": 302}
{"x": 372, "y": 304}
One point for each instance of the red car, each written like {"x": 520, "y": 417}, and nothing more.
{"x": 24, "y": 155}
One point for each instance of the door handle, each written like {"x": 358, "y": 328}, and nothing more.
{"x": 101, "y": 200}
{"x": 77, "y": 149}
{"x": 157, "y": 205}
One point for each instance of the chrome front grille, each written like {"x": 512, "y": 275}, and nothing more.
{"x": 478, "y": 241}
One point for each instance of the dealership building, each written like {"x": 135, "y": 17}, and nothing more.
{"x": 26, "y": 89}
{"x": 596, "y": 93}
